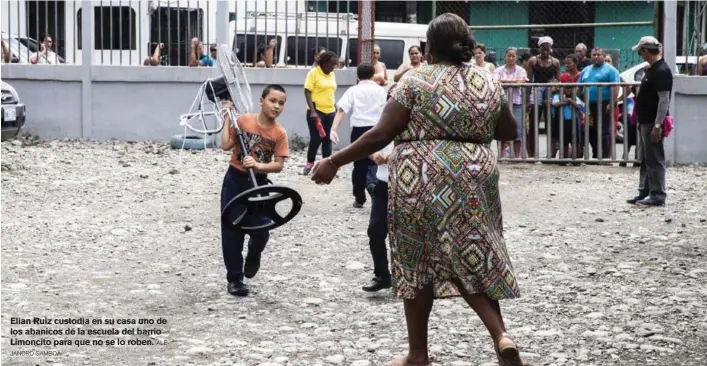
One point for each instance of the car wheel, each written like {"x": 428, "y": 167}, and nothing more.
{"x": 192, "y": 142}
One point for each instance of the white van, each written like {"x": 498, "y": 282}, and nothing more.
{"x": 298, "y": 34}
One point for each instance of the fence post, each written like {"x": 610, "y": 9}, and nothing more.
{"x": 222, "y": 36}
{"x": 670, "y": 37}
{"x": 87, "y": 46}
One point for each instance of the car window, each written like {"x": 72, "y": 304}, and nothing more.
{"x": 30, "y": 43}
{"x": 392, "y": 52}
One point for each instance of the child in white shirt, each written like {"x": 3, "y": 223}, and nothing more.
{"x": 365, "y": 102}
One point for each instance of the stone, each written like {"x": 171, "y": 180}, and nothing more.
{"x": 336, "y": 359}
{"x": 628, "y": 290}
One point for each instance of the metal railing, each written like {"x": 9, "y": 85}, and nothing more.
{"x": 301, "y": 29}
{"x": 124, "y": 32}
{"x": 581, "y": 139}
{"x": 166, "y": 33}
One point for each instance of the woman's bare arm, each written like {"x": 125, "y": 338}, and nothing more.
{"x": 507, "y": 127}
{"x": 310, "y": 104}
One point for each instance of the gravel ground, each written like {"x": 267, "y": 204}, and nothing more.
{"x": 124, "y": 231}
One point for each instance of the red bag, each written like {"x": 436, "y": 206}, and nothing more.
{"x": 320, "y": 128}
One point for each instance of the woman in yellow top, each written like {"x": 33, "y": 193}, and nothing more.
{"x": 319, "y": 92}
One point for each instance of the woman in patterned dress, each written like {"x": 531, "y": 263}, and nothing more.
{"x": 445, "y": 222}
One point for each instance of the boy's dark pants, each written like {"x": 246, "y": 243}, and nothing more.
{"x": 232, "y": 239}
{"x": 378, "y": 230}
{"x": 364, "y": 170}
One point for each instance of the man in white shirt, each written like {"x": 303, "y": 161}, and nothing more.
{"x": 45, "y": 54}
{"x": 378, "y": 224}
{"x": 365, "y": 101}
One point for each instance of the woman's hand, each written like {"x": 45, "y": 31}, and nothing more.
{"x": 379, "y": 158}
{"x": 324, "y": 171}
{"x": 249, "y": 162}
{"x": 334, "y": 137}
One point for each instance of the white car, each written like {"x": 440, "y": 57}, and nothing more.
{"x": 13, "y": 112}
{"x": 635, "y": 73}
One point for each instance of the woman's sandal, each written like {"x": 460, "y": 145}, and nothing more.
{"x": 507, "y": 353}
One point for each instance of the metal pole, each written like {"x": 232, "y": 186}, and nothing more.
{"x": 535, "y": 126}
{"x": 669, "y": 54}
{"x": 524, "y": 120}
{"x": 586, "y": 125}
{"x": 222, "y": 22}
{"x": 571, "y": 25}
{"x": 87, "y": 62}
{"x": 627, "y": 147}
{"x": 685, "y": 28}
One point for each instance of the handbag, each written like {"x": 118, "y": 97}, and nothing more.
{"x": 668, "y": 124}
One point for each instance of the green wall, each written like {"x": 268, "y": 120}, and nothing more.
{"x": 487, "y": 13}
{"x": 623, "y": 38}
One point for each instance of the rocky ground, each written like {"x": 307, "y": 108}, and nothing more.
{"x": 118, "y": 230}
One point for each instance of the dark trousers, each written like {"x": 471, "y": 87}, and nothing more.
{"x": 652, "y": 176}
{"x": 607, "y": 123}
{"x": 315, "y": 140}
{"x": 378, "y": 230}
{"x": 364, "y": 170}
{"x": 232, "y": 239}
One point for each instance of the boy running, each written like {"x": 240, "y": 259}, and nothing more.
{"x": 268, "y": 150}
{"x": 365, "y": 101}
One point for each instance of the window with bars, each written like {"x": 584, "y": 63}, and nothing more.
{"x": 114, "y": 29}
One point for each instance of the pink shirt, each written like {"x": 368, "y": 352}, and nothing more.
{"x": 502, "y": 73}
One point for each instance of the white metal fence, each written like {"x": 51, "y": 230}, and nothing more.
{"x": 168, "y": 32}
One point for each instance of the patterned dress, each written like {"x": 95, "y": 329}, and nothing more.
{"x": 444, "y": 208}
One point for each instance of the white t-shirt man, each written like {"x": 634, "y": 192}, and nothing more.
{"x": 365, "y": 102}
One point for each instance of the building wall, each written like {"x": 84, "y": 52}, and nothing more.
{"x": 516, "y": 13}
{"x": 488, "y": 13}
{"x": 142, "y": 103}
{"x": 689, "y": 108}
{"x": 625, "y": 37}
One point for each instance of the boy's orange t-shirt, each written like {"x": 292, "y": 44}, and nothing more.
{"x": 265, "y": 143}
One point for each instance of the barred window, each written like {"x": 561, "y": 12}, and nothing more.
{"x": 114, "y": 28}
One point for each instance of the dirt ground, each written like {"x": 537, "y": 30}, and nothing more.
{"x": 116, "y": 230}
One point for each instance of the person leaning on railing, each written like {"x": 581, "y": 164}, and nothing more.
{"x": 154, "y": 60}
{"x": 702, "y": 64}
{"x": 264, "y": 57}
{"x": 600, "y": 72}
{"x": 415, "y": 53}
{"x": 6, "y": 54}
{"x": 197, "y": 57}
{"x": 512, "y": 73}
{"x": 542, "y": 68}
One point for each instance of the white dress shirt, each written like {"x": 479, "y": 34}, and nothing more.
{"x": 365, "y": 102}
